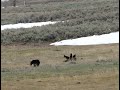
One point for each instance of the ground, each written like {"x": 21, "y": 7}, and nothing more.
{"x": 96, "y": 67}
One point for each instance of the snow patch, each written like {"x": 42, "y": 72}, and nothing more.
{"x": 91, "y": 40}
{"x": 4, "y": 0}
{"x": 27, "y": 25}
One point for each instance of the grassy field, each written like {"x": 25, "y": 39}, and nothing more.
{"x": 82, "y": 18}
{"x": 105, "y": 10}
{"x": 96, "y": 68}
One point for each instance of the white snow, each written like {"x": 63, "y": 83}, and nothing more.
{"x": 26, "y": 25}
{"x": 4, "y": 0}
{"x": 91, "y": 40}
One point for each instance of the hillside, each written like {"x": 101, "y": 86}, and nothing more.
{"x": 82, "y": 18}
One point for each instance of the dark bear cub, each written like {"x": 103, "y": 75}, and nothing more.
{"x": 35, "y": 62}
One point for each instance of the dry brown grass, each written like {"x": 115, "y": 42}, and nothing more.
{"x": 105, "y": 78}
{"x": 96, "y": 81}
{"x": 11, "y": 55}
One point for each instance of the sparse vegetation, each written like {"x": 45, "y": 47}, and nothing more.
{"x": 60, "y": 31}
{"x": 84, "y": 18}
{"x": 101, "y": 61}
